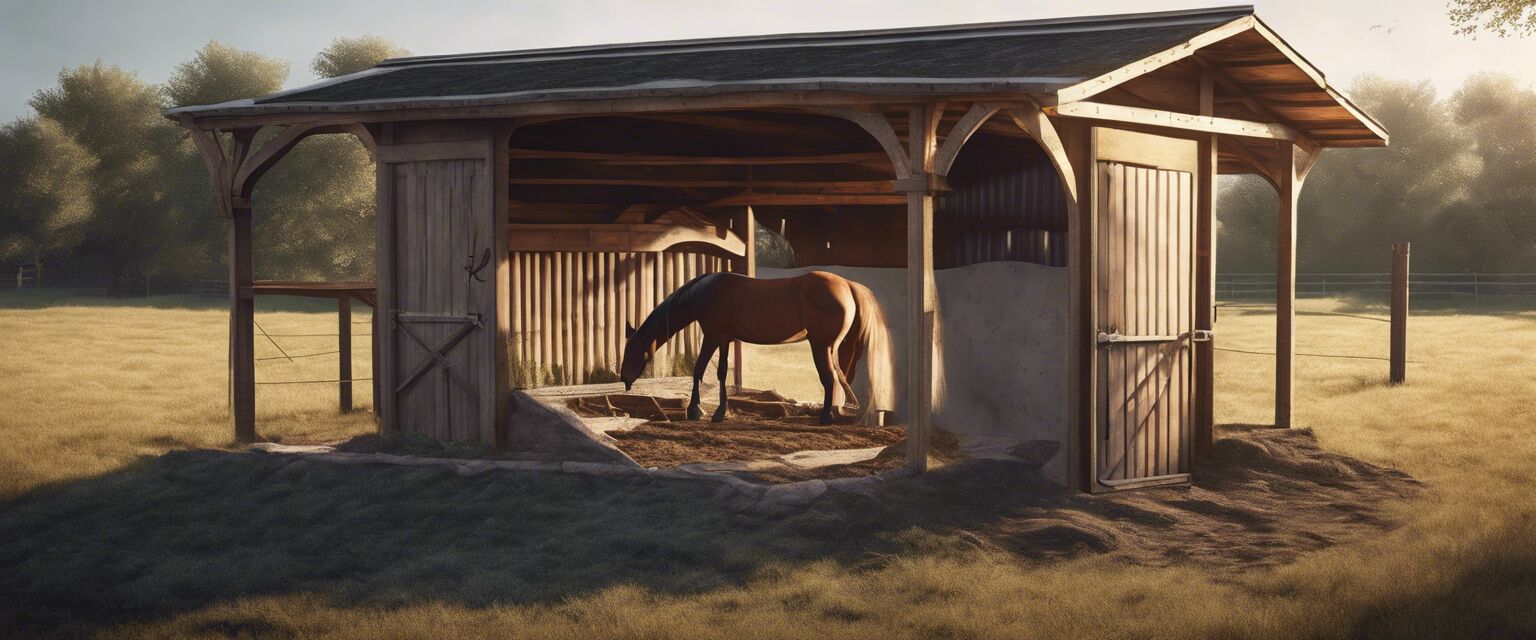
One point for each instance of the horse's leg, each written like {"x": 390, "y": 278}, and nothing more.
{"x": 822, "y": 355}
{"x": 725, "y": 365}
{"x": 706, "y": 351}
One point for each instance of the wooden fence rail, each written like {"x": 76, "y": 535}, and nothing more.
{"x": 1472, "y": 285}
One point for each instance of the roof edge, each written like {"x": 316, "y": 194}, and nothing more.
{"x": 801, "y": 38}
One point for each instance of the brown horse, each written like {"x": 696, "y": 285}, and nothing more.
{"x": 841, "y": 318}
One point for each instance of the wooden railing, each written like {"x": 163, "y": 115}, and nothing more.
{"x": 1472, "y": 285}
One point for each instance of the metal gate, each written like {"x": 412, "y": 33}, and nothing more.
{"x": 1146, "y": 313}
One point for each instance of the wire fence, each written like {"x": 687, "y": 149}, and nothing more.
{"x": 1451, "y": 285}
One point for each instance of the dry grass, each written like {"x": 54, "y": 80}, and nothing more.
{"x": 90, "y": 390}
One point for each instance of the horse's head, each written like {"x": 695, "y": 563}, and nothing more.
{"x": 636, "y": 353}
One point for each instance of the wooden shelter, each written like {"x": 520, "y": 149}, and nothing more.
{"x": 529, "y": 202}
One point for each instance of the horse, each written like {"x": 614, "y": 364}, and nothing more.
{"x": 841, "y": 318}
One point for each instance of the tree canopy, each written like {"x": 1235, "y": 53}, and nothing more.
{"x": 220, "y": 73}
{"x": 1503, "y": 17}
{"x": 1458, "y": 181}
{"x": 351, "y": 55}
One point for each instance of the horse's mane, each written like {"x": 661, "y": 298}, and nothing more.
{"x": 680, "y": 304}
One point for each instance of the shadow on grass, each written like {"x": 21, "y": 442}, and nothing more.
{"x": 190, "y": 529}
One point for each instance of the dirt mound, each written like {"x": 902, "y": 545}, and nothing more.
{"x": 1266, "y": 497}
{"x": 668, "y": 444}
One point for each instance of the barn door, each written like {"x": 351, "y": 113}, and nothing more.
{"x": 1144, "y": 203}
{"x": 441, "y": 278}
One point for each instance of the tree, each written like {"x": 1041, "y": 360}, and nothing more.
{"x": 1458, "y": 181}
{"x": 116, "y": 117}
{"x": 216, "y": 73}
{"x": 1503, "y": 17}
{"x": 45, "y": 197}
{"x": 351, "y": 55}
{"x": 220, "y": 73}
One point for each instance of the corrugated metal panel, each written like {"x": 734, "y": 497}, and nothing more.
{"x": 1016, "y": 214}
{"x": 569, "y": 310}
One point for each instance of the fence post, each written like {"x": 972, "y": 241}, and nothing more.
{"x": 344, "y": 351}
{"x": 1399, "y": 313}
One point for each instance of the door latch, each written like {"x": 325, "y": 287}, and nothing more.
{"x": 1202, "y": 335}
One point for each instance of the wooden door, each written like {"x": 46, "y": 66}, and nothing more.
{"x": 440, "y": 360}
{"x": 1144, "y": 202}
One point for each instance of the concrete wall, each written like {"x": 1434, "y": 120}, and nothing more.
{"x": 1002, "y": 357}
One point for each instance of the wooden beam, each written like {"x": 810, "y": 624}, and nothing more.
{"x": 844, "y": 186}
{"x": 746, "y": 230}
{"x": 868, "y": 159}
{"x": 1031, "y": 118}
{"x": 385, "y": 271}
{"x": 1255, "y": 104}
{"x": 242, "y": 319}
{"x": 1106, "y": 81}
{"x": 877, "y": 125}
{"x": 253, "y": 168}
{"x": 1082, "y": 355}
{"x": 344, "y": 352}
{"x": 804, "y": 199}
{"x": 958, "y": 134}
{"x": 921, "y": 146}
{"x": 1205, "y": 280}
{"x": 501, "y": 169}
{"x": 1179, "y": 121}
{"x": 1240, "y": 151}
{"x": 1292, "y": 169}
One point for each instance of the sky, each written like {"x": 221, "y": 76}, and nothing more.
{"x": 1409, "y": 39}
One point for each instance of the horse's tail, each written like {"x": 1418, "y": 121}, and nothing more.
{"x": 875, "y": 337}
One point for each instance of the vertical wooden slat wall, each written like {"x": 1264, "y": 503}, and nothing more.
{"x": 569, "y": 310}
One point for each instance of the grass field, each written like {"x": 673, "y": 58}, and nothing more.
{"x": 102, "y": 533}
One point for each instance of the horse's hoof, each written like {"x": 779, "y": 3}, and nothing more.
{"x": 826, "y": 418}
{"x": 718, "y": 417}
{"x": 695, "y": 413}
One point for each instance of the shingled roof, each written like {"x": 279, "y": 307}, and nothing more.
{"x": 1032, "y": 55}
{"x": 1065, "y": 59}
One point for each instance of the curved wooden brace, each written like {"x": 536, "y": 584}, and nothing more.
{"x": 257, "y": 165}
{"x": 880, "y": 128}
{"x": 968, "y": 125}
{"x": 1032, "y": 119}
{"x": 251, "y": 170}
{"x": 208, "y": 147}
{"x": 363, "y": 136}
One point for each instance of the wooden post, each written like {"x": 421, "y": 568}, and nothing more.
{"x": 373, "y": 351}
{"x": 1285, "y": 286}
{"x": 344, "y": 352}
{"x": 1205, "y": 281}
{"x": 921, "y": 127}
{"x": 242, "y": 339}
{"x": 1399, "y": 368}
{"x": 747, "y": 266}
